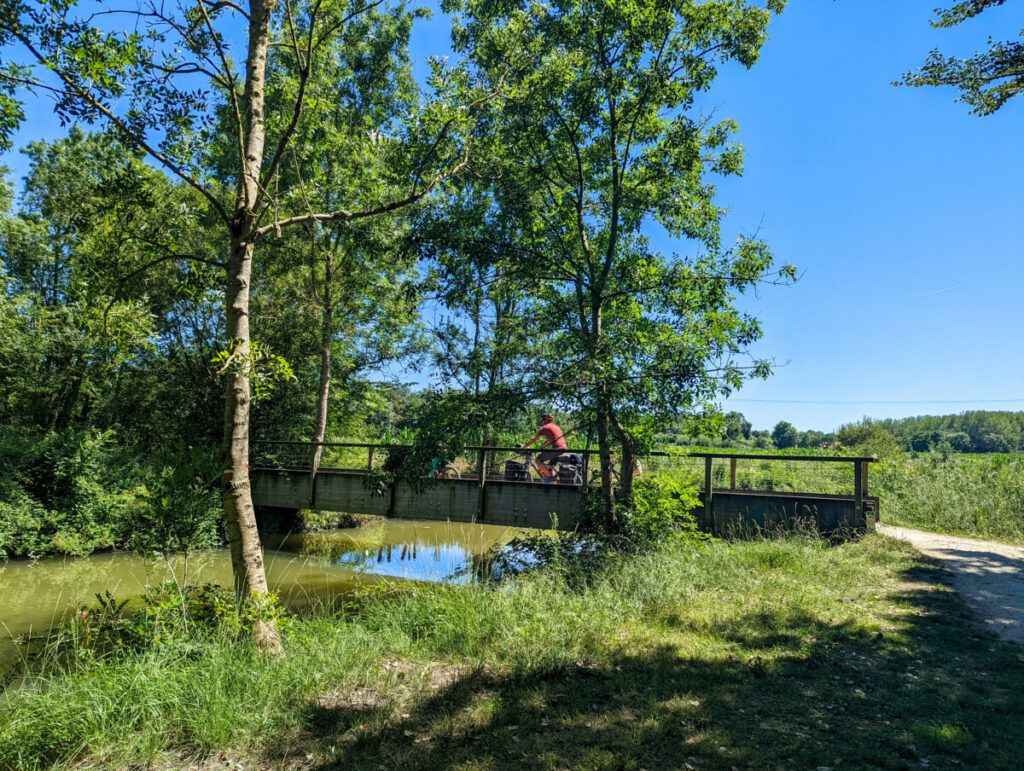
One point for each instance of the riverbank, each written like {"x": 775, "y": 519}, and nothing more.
{"x": 304, "y": 569}
{"x": 769, "y": 653}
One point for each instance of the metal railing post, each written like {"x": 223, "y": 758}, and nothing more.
{"x": 859, "y": 478}
{"x": 708, "y": 487}
{"x": 481, "y": 467}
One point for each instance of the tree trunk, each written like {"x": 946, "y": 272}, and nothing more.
{"x": 603, "y": 433}
{"x": 326, "y": 333}
{"x": 625, "y": 493}
{"x": 320, "y": 431}
{"x": 243, "y": 536}
{"x": 605, "y": 454}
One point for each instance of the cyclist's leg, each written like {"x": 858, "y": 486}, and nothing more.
{"x": 545, "y": 463}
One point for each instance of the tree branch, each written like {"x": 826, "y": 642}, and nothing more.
{"x": 90, "y": 100}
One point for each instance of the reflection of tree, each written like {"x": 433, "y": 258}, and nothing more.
{"x": 332, "y": 546}
{"x": 38, "y": 594}
{"x": 442, "y": 552}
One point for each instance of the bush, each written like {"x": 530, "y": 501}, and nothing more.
{"x": 77, "y": 491}
{"x": 68, "y": 491}
{"x": 661, "y": 509}
{"x": 660, "y": 512}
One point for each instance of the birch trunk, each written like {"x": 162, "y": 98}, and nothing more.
{"x": 326, "y": 332}
{"x": 243, "y": 535}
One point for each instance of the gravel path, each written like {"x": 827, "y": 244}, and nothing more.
{"x": 989, "y": 575}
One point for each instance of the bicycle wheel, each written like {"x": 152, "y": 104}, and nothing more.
{"x": 450, "y": 472}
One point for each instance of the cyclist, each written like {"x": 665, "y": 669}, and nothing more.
{"x": 553, "y": 438}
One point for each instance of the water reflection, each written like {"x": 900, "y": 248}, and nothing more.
{"x": 416, "y": 551}
{"x": 302, "y": 569}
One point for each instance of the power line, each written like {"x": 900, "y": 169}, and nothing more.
{"x": 882, "y": 401}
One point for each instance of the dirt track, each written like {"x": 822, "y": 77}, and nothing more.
{"x": 989, "y": 575}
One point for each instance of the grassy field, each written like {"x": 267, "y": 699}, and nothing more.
{"x": 976, "y": 495}
{"x": 772, "y": 654}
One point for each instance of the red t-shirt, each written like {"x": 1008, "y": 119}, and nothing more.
{"x": 552, "y": 437}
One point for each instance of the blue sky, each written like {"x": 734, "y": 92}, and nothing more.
{"x": 904, "y": 213}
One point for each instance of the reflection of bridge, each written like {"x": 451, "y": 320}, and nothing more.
{"x": 284, "y": 482}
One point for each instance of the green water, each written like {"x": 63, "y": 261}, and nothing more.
{"x": 301, "y": 569}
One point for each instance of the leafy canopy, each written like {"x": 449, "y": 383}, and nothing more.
{"x": 988, "y": 79}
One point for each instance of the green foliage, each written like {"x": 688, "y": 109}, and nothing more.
{"x": 64, "y": 492}
{"x": 660, "y": 512}
{"x": 594, "y": 140}
{"x": 868, "y": 438}
{"x": 661, "y": 509}
{"x": 446, "y": 421}
{"x": 77, "y": 491}
{"x": 985, "y": 81}
{"x": 179, "y": 510}
{"x": 972, "y": 431}
{"x": 263, "y": 368}
{"x": 784, "y": 435}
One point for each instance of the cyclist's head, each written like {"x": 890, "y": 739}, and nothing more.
{"x": 547, "y": 417}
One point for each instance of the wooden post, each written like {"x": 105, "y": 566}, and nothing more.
{"x": 732, "y": 473}
{"x": 369, "y": 463}
{"x": 585, "y": 472}
{"x": 864, "y": 488}
{"x": 481, "y": 501}
{"x": 859, "y": 477}
{"x": 708, "y": 486}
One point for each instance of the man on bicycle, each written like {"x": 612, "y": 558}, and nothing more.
{"x": 553, "y": 438}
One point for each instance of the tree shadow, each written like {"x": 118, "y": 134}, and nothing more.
{"x": 991, "y": 583}
{"x": 779, "y": 690}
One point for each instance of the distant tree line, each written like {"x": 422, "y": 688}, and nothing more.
{"x": 976, "y": 431}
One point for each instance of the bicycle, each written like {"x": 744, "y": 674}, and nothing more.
{"x": 446, "y": 472}
{"x": 638, "y": 469}
{"x": 563, "y": 470}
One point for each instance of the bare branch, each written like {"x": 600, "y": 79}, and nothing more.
{"x": 228, "y": 73}
{"x": 344, "y": 215}
{"x": 304, "y": 72}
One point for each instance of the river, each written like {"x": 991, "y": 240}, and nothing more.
{"x": 303, "y": 568}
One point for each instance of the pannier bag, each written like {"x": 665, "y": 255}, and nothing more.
{"x": 569, "y": 469}
{"x": 568, "y": 475}
{"x": 516, "y": 471}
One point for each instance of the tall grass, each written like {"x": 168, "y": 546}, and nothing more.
{"x": 975, "y": 495}
{"x": 196, "y": 693}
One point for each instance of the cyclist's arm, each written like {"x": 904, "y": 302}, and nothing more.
{"x": 530, "y": 443}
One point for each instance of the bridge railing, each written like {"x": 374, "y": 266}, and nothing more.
{"x": 823, "y": 474}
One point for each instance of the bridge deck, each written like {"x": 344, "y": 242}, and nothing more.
{"x": 536, "y": 505}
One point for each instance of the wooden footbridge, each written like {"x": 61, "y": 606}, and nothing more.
{"x": 284, "y": 482}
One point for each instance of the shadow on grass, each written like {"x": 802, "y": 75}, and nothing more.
{"x": 776, "y": 691}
